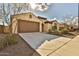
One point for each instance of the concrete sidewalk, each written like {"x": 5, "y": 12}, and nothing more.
{"x": 70, "y": 49}
{"x": 49, "y": 47}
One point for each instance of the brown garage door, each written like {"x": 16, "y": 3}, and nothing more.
{"x": 27, "y": 26}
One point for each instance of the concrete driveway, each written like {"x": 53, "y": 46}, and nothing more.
{"x": 35, "y": 39}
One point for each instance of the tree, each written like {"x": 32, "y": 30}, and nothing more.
{"x": 11, "y": 9}
{"x": 72, "y": 22}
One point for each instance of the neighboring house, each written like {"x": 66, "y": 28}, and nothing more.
{"x": 58, "y": 24}
{"x": 49, "y": 24}
{"x": 61, "y": 26}
{"x": 54, "y": 23}
{"x": 3, "y": 27}
{"x": 26, "y": 22}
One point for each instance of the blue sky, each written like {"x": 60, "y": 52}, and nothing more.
{"x": 56, "y": 10}
{"x": 60, "y": 10}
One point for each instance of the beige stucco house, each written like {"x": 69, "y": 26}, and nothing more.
{"x": 49, "y": 24}
{"x": 26, "y": 22}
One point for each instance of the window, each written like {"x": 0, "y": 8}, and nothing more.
{"x": 55, "y": 24}
{"x": 30, "y": 16}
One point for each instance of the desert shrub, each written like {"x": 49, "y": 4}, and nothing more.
{"x": 54, "y": 28}
{"x": 11, "y": 39}
{"x": 2, "y": 44}
{"x": 64, "y": 31}
{"x": 50, "y": 30}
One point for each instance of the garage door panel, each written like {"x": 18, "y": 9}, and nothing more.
{"x": 28, "y": 26}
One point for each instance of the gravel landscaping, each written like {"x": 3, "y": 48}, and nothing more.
{"x": 20, "y": 49}
{"x": 68, "y": 35}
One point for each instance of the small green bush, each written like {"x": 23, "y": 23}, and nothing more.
{"x": 50, "y": 30}
{"x": 54, "y": 28}
{"x": 2, "y": 44}
{"x": 11, "y": 39}
{"x": 64, "y": 31}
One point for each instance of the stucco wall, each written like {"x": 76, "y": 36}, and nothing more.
{"x": 25, "y": 16}
{"x": 15, "y": 19}
{"x": 47, "y": 26}
{"x": 14, "y": 26}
